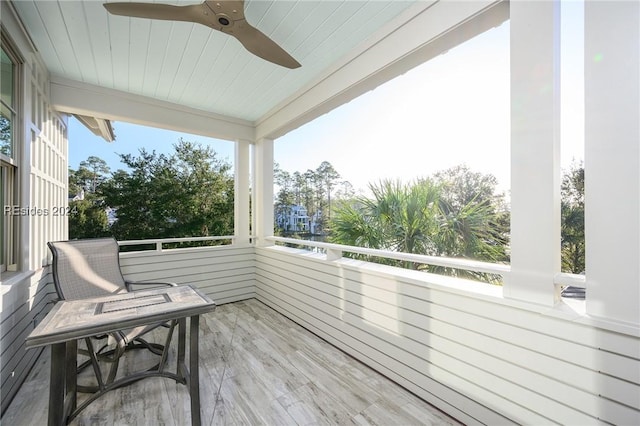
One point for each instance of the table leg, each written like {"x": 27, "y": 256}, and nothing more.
{"x": 194, "y": 373}
{"x": 71, "y": 377}
{"x": 57, "y": 385}
{"x": 182, "y": 367}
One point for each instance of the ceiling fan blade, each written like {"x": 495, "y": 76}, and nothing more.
{"x": 167, "y": 12}
{"x": 225, "y": 16}
{"x": 260, "y": 45}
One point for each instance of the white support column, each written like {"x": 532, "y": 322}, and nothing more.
{"x": 252, "y": 157}
{"x": 535, "y": 151}
{"x": 241, "y": 192}
{"x": 612, "y": 159}
{"x": 263, "y": 187}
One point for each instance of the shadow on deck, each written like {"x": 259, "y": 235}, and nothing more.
{"x": 256, "y": 367}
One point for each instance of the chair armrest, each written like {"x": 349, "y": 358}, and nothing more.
{"x": 129, "y": 284}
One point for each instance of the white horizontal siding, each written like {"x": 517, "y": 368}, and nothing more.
{"x": 225, "y": 273}
{"x": 24, "y": 304}
{"x": 481, "y": 359}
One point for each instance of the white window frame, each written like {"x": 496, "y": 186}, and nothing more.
{"x": 9, "y": 170}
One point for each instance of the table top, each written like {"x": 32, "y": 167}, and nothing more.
{"x": 76, "y": 319}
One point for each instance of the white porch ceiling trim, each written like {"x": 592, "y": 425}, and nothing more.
{"x": 15, "y": 27}
{"x": 421, "y": 33}
{"x": 74, "y": 97}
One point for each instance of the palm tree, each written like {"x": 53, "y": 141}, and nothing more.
{"x": 399, "y": 217}
{"x": 419, "y": 218}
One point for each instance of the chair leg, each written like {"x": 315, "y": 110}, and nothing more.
{"x": 96, "y": 369}
{"x": 154, "y": 348}
{"x": 112, "y": 356}
{"x": 113, "y": 359}
{"x": 167, "y": 344}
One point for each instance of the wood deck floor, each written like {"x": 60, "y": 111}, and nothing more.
{"x": 257, "y": 368}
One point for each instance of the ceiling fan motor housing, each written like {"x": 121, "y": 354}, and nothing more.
{"x": 224, "y": 13}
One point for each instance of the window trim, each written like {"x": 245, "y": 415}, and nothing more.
{"x": 10, "y": 224}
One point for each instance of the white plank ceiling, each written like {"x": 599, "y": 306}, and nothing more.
{"x": 192, "y": 65}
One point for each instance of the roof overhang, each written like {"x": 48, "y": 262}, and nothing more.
{"x": 423, "y": 31}
{"x": 98, "y": 126}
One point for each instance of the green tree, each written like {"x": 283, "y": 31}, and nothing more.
{"x": 435, "y": 216}
{"x": 6, "y": 136}
{"x": 475, "y": 216}
{"x": 399, "y": 217}
{"x": 75, "y": 186}
{"x": 462, "y": 186}
{"x": 87, "y": 219}
{"x": 186, "y": 194}
{"x": 299, "y": 183}
{"x": 285, "y": 197}
{"x": 345, "y": 191}
{"x": 93, "y": 171}
{"x": 572, "y": 222}
{"x": 319, "y": 199}
{"x": 87, "y": 215}
{"x": 316, "y": 190}
{"x": 328, "y": 179}
{"x": 308, "y": 192}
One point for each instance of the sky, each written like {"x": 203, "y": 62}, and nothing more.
{"x": 130, "y": 138}
{"x": 453, "y": 109}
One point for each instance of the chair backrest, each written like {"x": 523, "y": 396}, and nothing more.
{"x": 86, "y": 268}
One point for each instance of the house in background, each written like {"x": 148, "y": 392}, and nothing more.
{"x": 78, "y": 197}
{"x": 483, "y": 354}
{"x": 294, "y": 219}
{"x": 112, "y": 215}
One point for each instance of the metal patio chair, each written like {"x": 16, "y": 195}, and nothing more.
{"x": 91, "y": 268}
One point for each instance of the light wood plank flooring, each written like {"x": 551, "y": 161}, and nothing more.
{"x": 257, "y": 368}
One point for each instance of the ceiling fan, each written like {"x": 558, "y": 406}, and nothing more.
{"x": 226, "y": 16}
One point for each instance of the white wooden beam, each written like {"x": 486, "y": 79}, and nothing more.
{"x": 535, "y": 151}
{"x": 75, "y": 97}
{"x": 612, "y": 159}
{"x": 424, "y": 31}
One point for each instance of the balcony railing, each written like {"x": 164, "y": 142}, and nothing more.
{"x": 335, "y": 251}
{"x": 160, "y": 242}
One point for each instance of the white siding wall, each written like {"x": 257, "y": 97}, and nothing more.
{"x": 24, "y": 304}
{"x": 48, "y": 169}
{"x": 226, "y": 274}
{"x": 26, "y": 295}
{"x": 479, "y": 357}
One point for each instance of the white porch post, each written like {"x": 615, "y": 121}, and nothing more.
{"x": 241, "y": 190}
{"x": 263, "y": 187}
{"x": 535, "y": 151}
{"x": 612, "y": 157}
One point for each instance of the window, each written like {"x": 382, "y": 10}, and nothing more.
{"x": 7, "y": 111}
{"x": 8, "y": 156}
